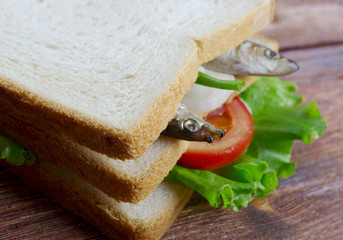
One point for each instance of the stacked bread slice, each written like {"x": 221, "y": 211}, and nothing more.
{"x": 110, "y": 74}
{"x": 129, "y": 180}
{"x": 148, "y": 219}
{"x": 88, "y": 86}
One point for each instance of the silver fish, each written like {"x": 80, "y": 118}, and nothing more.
{"x": 187, "y": 125}
{"x": 252, "y": 59}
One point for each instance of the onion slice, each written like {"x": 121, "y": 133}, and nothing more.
{"x": 201, "y": 99}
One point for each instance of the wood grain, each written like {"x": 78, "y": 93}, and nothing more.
{"x": 306, "y": 206}
{"x": 307, "y": 23}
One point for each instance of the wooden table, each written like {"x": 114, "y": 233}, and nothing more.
{"x": 309, "y": 205}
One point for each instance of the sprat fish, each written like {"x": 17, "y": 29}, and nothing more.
{"x": 251, "y": 58}
{"x": 187, "y": 125}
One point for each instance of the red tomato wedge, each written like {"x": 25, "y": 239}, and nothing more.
{"x": 236, "y": 121}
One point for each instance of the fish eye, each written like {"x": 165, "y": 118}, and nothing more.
{"x": 191, "y": 126}
{"x": 271, "y": 54}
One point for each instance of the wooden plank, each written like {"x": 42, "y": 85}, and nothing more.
{"x": 307, "y": 23}
{"x": 28, "y": 214}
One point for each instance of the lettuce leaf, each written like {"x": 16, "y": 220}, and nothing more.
{"x": 247, "y": 169}
{"x": 279, "y": 121}
{"x": 215, "y": 188}
{"x": 14, "y": 153}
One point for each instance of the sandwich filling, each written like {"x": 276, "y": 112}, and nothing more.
{"x": 260, "y": 126}
{"x": 279, "y": 120}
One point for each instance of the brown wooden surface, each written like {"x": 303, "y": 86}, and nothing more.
{"x": 309, "y": 205}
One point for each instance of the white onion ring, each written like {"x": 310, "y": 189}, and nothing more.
{"x": 201, "y": 99}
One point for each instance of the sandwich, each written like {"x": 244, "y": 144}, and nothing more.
{"x": 99, "y": 93}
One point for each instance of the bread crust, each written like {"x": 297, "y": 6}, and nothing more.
{"x": 91, "y": 166}
{"x": 67, "y": 192}
{"x": 97, "y": 135}
{"x": 231, "y": 36}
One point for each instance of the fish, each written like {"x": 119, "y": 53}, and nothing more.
{"x": 251, "y": 58}
{"x": 187, "y": 125}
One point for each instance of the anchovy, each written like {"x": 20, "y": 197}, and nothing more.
{"x": 187, "y": 125}
{"x": 252, "y": 59}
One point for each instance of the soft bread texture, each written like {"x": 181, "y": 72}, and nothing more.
{"x": 148, "y": 219}
{"x": 110, "y": 74}
{"x": 128, "y": 181}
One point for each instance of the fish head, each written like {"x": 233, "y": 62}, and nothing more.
{"x": 277, "y": 64}
{"x": 201, "y": 130}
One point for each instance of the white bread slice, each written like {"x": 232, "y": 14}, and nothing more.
{"x": 148, "y": 219}
{"x": 110, "y": 74}
{"x": 128, "y": 181}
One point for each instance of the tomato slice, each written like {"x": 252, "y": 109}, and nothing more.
{"x": 236, "y": 121}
